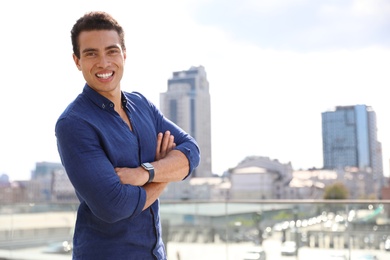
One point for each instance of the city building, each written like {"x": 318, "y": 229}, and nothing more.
{"x": 200, "y": 188}
{"x": 52, "y": 183}
{"x": 349, "y": 137}
{"x": 259, "y": 177}
{"x": 187, "y": 103}
{"x": 311, "y": 184}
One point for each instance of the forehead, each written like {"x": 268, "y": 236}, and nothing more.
{"x": 98, "y": 39}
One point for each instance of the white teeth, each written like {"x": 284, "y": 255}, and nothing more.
{"x": 104, "y": 76}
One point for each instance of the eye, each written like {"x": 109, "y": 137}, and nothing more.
{"x": 90, "y": 54}
{"x": 113, "y": 51}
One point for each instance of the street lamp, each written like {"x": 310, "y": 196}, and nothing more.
{"x": 257, "y": 216}
{"x": 295, "y": 213}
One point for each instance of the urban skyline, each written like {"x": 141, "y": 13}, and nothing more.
{"x": 334, "y": 128}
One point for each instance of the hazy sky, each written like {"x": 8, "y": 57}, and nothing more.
{"x": 273, "y": 67}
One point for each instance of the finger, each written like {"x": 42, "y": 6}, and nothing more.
{"x": 159, "y": 140}
{"x": 171, "y": 143}
{"x": 165, "y": 142}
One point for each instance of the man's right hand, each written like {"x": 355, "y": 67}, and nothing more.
{"x": 165, "y": 144}
{"x": 138, "y": 176}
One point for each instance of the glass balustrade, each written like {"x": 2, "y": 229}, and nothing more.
{"x": 228, "y": 230}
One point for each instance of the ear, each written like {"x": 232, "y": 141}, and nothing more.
{"x": 124, "y": 54}
{"x": 76, "y": 61}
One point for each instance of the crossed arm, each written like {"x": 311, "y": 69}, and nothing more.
{"x": 169, "y": 166}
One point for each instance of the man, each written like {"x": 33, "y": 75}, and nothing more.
{"x": 118, "y": 150}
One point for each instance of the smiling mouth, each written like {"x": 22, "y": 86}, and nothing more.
{"x": 105, "y": 75}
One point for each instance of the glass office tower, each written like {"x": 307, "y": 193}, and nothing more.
{"x": 187, "y": 103}
{"x": 349, "y": 138}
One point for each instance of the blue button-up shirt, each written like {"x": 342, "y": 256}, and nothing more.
{"x": 92, "y": 140}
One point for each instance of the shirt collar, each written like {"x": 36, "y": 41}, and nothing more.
{"x": 99, "y": 100}
{"x": 124, "y": 100}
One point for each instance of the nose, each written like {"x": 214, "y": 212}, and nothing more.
{"x": 104, "y": 61}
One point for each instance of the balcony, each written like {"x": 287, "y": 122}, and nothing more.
{"x": 274, "y": 229}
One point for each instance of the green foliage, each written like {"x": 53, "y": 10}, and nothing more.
{"x": 244, "y": 222}
{"x": 283, "y": 215}
{"x": 336, "y": 191}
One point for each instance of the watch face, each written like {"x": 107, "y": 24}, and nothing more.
{"x": 147, "y": 166}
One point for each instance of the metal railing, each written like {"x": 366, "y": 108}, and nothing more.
{"x": 274, "y": 229}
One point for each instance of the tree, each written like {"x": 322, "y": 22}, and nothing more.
{"x": 336, "y": 191}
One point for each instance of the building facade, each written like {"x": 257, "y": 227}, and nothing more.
{"x": 349, "y": 137}
{"x": 187, "y": 103}
{"x": 52, "y": 183}
{"x": 258, "y": 177}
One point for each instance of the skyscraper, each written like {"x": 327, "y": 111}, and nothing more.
{"x": 187, "y": 103}
{"x": 349, "y": 138}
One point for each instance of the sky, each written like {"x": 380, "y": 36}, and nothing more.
{"x": 273, "y": 67}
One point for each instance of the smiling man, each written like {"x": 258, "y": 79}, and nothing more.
{"x": 118, "y": 150}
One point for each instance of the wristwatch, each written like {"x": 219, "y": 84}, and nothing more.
{"x": 149, "y": 167}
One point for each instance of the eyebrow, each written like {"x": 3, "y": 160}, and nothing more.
{"x": 88, "y": 50}
{"x": 107, "y": 48}
{"x": 112, "y": 47}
